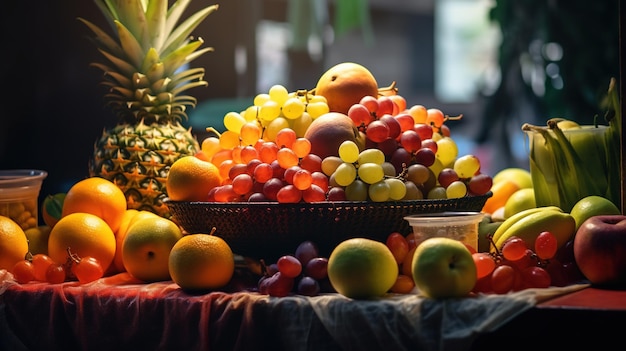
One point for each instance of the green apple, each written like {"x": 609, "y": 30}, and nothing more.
{"x": 443, "y": 268}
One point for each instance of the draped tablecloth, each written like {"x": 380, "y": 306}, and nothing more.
{"x": 120, "y": 313}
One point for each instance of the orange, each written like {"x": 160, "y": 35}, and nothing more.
{"x": 120, "y": 234}
{"x": 147, "y": 245}
{"x": 201, "y": 262}
{"x": 13, "y": 243}
{"x": 99, "y": 197}
{"x": 86, "y": 235}
{"x": 345, "y": 84}
{"x": 191, "y": 179}
{"x": 501, "y": 192}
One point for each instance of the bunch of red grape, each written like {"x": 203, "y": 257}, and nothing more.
{"x": 40, "y": 267}
{"x": 516, "y": 266}
{"x": 303, "y": 273}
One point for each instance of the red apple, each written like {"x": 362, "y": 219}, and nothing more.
{"x": 600, "y": 249}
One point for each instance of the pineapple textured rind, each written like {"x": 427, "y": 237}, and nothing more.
{"x": 145, "y": 76}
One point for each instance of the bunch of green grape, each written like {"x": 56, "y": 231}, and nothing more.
{"x": 278, "y": 109}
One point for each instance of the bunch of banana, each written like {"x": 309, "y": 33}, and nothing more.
{"x": 529, "y": 223}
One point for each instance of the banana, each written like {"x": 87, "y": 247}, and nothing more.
{"x": 516, "y": 217}
{"x": 561, "y": 224}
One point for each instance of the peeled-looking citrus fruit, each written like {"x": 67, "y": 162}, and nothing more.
{"x": 86, "y": 235}
{"x": 99, "y": 197}
{"x": 13, "y": 243}
{"x": 201, "y": 262}
{"x": 345, "y": 84}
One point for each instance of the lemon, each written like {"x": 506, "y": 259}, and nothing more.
{"x": 592, "y": 205}
{"x": 362, "y": 268}
{"x": 519, "y": 176}
{"x": 520, "y": 200}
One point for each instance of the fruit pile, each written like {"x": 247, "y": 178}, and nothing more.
{"x": 301, "y": 146}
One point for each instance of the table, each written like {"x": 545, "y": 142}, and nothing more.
{"x": 120, "y": 313}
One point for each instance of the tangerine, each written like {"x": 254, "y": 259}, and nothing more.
{"x": 345, "y": 84}
{"x": 191, "y": 179}
{"x": 201, "y": 262}
{"x": 97, "y": 196}
{"x": 86, "y": 235}
{"x": 13, "y": 243}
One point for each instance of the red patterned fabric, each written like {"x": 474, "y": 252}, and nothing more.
{"x": 119, "y": 313}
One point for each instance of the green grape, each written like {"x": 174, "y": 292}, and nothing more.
{"x": 345, "y": 174}
{"x": 447, "y": 151}
{"x": 269, "y": 111}
{"x": 330, "y": 164}
{"x": 275, "y": 126}
{"x": 261, "y": 99}
{"x": 372, "y": 156}
{"x": 456, "y": 190}
{"x": 317, "y": 108}
{"x": 348, "y": 151}
{"x": 233, "y": 121}
{"x": 279, "y": 94}
{"x": 371, "y": 173}
{"x": 301, "y": 124}
{"x": 317, "y": 98}
{"x": 379, "y": 192}
{"x": 251, "y": 113}
{"x": 437, "y": 192}
{"x": 417, "y": 173}
{"x": 389, "y": 169}
{"x": 397, "y": 188}
{"x": 293, "y": 108}
{"x": 357, "y": 191}
{"x": 412, "y": 191}
{"x": 466, "y": 166}
{"x": 436, "y": 167}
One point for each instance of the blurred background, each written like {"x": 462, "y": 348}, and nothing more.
{"x": 499, "y": 63}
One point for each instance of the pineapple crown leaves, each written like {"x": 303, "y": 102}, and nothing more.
{"x": 146, "y": 55}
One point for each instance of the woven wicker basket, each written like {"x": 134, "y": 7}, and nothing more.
{"x": 269, "y": 230}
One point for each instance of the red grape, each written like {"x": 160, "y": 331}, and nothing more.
{"x": 545, "y": 245}
{"x": 289, "y": 266}
{"x": 398, "y": 246}
{"x": 485, "y": 264}
{"x": 55, "y": 274}
{"x": 317, "y": 268}
{"x": 23, "y": 271}
{"x": 377, "y": 131}
{"x": 514, "y": 249}
{"x": 502, "y": 279}
{"x": 87, "y": 269}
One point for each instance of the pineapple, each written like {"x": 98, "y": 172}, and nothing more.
{"x": 146, "y": 78}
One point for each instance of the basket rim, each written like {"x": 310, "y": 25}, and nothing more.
{"x": 326, "y": 204}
